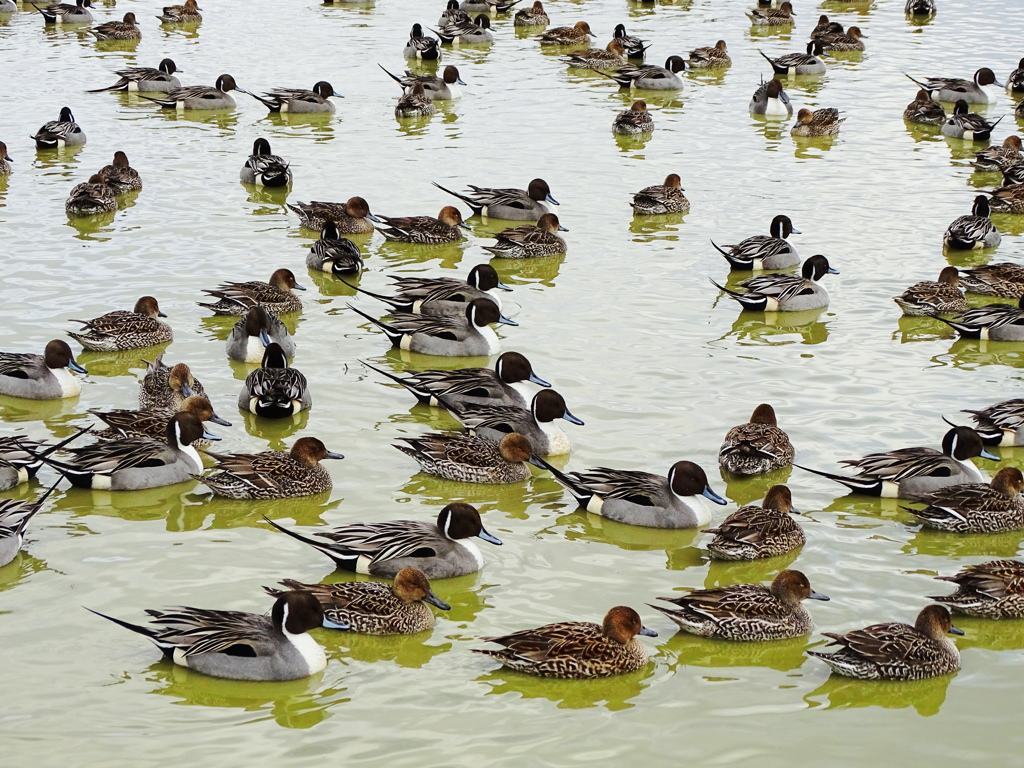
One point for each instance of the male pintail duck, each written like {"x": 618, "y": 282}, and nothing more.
{"x": 534, "y": 16}
{"x": 756, "y": 447}
{"x": 487, "y": 6}
{"x": 610, "y": 57}
{"x": 505, "y": 385}
{"x": 441, "y": 550}
{"x": 421, "y": 47}
{"x": 508, "y": 204}
{"x": 15, "y": 516}
{"x": 125, "y": 330}
{"x": 661, "y": 198}
{"x": 925, "y": 110}
{"x": 896, "y": 651}
{"x": 425, "y": 230}
{"x": 333, "y": 253}
{"x": 5, "y": 160}
{"x": 200, "y": 96}
{"x": 919, "y": 7}
{"x": 126, "y": 29}
{"x": 473, "y": 32}
{"x": 1015, "y": 82}
{"x": 443, "y": 88}
{"x": 974, "y": 231}
{"x": 373, "y": 608}
{"x": 1000, "y": 424}
{"x": 1001, "y": 279}
{"x": 799, "y": 63}
{"x": 272, "y": 474}
{"x": 826, "y": 27}
{"x": 851, "y": 40}
{"x": 991, "y": 322}
{"x": 770, "y": 100}
{"x": 274, "y": 390}
{"x": 91, "y": 198}
{"x": 770, "y": 251}
{"x": 785, "y": 293}
{"x": 976, "y": 507}
{"x": 980, "y": 90}
{"x": 452, "y": 13}
{"x": 992, "y": 590}
{"x": 467, "y": 336}
{"x": 40, "y": 377}
{"x": 929, "y": 298}
{"x": 467, "y": 459}
{"x": 240, "y": 646}
{"x": 275, "y": 295}
{"x": 578, "y": 34}
{"x": 536, "y": 423}
{"x": 415, "y": 103}
{"x": 120, "y": 176}
{"x": 576, "y": 650}
{"x": 710, "y": 58}
{"x": 964, "y": 124}
{"x": 820, "y": 122}
{"x": 754, "y": 532}
{"x": 772, "y": 17}
{"x": 650, "y": 77}
{"x": 63, "y": 13}
{"x": 1008, "y": 199}
{"x": 299, "y": 100}
{"x": 913, "y": 473}
{"x": 747, "y": 612}
{"x": 446, "y": 296}
{"x": 530, "y": 240}
{"x": 265, "y": 169}
{"x": 634, "y": 46}
{"x": 352, "y": 217}
{"x": 1000, "y": 157}
{"x": 62, "y": 132}
{"x": 122, "y": 423}
{"x": 164, "y": 388}
{"x": 161, "y": 79}
{"x": 187, "y": 13}
{"x": 633, "y": 121}
{"x": 254, "y": 332}
{"x": 642, "y": 498}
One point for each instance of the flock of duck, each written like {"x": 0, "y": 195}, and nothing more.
{"x": 509, "y": 412}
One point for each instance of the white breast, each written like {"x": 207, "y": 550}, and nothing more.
{"x": 473, "y": 550}
{"x": 69, "y": 386}
{"x": 699, "y": 508}
{"x": 311, "y": 651}
{"x": 254, "y": 349}
{"x": 193, "y": 456}
{"x": 493, "y": 342}
{"x": 775, "y": 107}
{"x": 558, "y": 441}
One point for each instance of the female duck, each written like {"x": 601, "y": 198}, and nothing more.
{"x": 125, "y": 330}
{"x": 333, "y": 253}
{"x": 1009, "y": 198}
{"x": 980, "y": 90}
{"x": 126, "y": 29}
{"x": 5, "y": 161}
{"x": 443, "y": 88}
{"x": 443, "y": 296}
{"x": 896, "y": 651}
{"x": 421, "y": 47}
{"x": 747, "y": 612}
{"x": 929, "y": 298}
{"x": 352, "y": 217}
{"x": 576, "y": 650}
{"x": 509, "y": 204}
{"x": 770, "y": 100}
{"x": 977, "y": 507}
{"x": 756, "y": 447}
{"x": 373, "y": 608}
{"x": 164, "y": 388}
{"x": 272, "y": 474}
{"x": 275, "y": 295}
{"x": 975, "y": 231}
{"x": 298, "y": 101}
{"x": 200, "y": 96}
{"x": 1001, "y": 157}
{"x": 710, "y": 58}
{"x": 187, "y": 13}
{"x": 992, "y": 590}
{"x": 772, "y": 17}
{"x": 1001, "y": 279}
{"x": 610, "y": 57}
{"x": 122, "y": 423}
{"x": 120, "y": 176}
{"x": 578, "y": 34}
{"x": 661, "y": 198}
{"x": 441, "y": 550}
{"x": 785, "y": 293}
{"x": 425, "y": 230}
{"x": 925, "y": 110}
{"x": 650, "y": 77}
{"x": 851, "y": 40}
{"x": 530, "y": 241}
{"x": 415, "y": 103}
{"x": 1000, "y": 424}
{"x": 755, "y": 532}
{"x": 468, "y": 336}
{"x": 534, "y": 16}
{"x": 62, "y": 132}
{"x": 799, "y": 63}
{"x": 256, "y": 331}
{"x": 241, "y": 646}
{"x": 642, "y": 498}
{"x": 914, "y": 473}
{"x": 274, "y": 390}
{"x": 63, "y": 13}
{"x": 265, "y": 169}
{"x": 633, "y": 121}
{"x": 770, "y": 251}
{"x": 992, "y": 322}
{"x": 471, "y": 459}
{"x": 535, "y": 423}
{"x": 147, "y": 79}
{"x": 820, "y": 122}
{"x": 91, "y": 198}
{"x": 40, "y": 377}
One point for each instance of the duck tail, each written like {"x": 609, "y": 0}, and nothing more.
{"x": 393, "y": 333}
{"x": 391, "y": 300}
{"x": 144, "y": 631}
{"x": 477, "y": 208}
{"x": 919, "y": 84}
{"x": 967, "y": 331}
{"x": 872, "y": 486}
{"x": 582, "y": 495}
{"x": 344, "y": 561}
{"x": 271, "y": 104}
{"x": 166, "y": 103}
{"x": 733, "y": 261}
{"x": 729, "y": 291}
{"x": 116, "y": 86}
{"x": 775, "y": 67}
{"x": 394, "y": 77}
{"x": 622, "y": 80}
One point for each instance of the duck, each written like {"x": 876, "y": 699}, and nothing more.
{"x": 770, "y": 251}
{"x": 530, "y": 241}
{"x": 576, "y": 650}
{"x": 991, "y": 322}
{"x": 334, "y": 253}
{"x": 487, "y": 6}
{"x": 650, "y": 77}
{"x": 15, "y": 515}
{"x": 1000, "y": 424}
{"x": 536, "y": 423}
{"x": 508, "y": 204}
{"x": 770, "y": 100}
{"x": 974, "y": 231}
{"x": 578, "y": 34}
{"x": 125, "y": 330}
{"x": 755, "y": 532}
{"x": 534, "y": 16}
{"x": 265, "y": 169}
{"x": 992, "y": 590}
{"x": 421, "y": 47}
{"x": 634, "y": 46}
{"x": 1008, "y": 199}
{"x": 785, "y": 293}
{"x": 851, "y": 40}
{"x": 372, "y": 608}
{"x": 158, "y": 79}
{"x": 820, "y": 122}
{"x": 91, "y": 198}
{"x": 275, "y": 295}
{"x": 425, "y": 230}
{"x": 896, "y": 651}
{"x": 976, "y": 507}
{"x": 506, "y": 384}
{"x": 966, "y": 125}
{"x": 415, "y": 103}
{"x": 772, "y": 17}
{"x": 641, "y": 498}
{"x": 610, "y": 57}
{"x": 5, "y": 160}
{"x": 919, "y": 7}
{"x": 914, "y": 473}
{"x": 633, "y": 121}
{"x": 799, "y": 63}
{"x": 120, "y": 176}
{"x": 352, "y": 217}
{"x": 63, "y": 13}
{"x": 62, "y": 132}
{"x": 197, "y": 97}
{"x": 255, "y": 331}
{"x": 929, "y": 298}
{"x": 467, "y": 459}
{"x": 440, "y": 550}
{"x": 122, "y": 423}
{"x": 274, "y": 390}
{"x": 187, "y": 13}
{"x": 712, "y": 57}
{"x": 978, "y": 90}
{"x": 1001, "y": 279}
{"x": 126, "y": 29}
{"x": 443, "y": 296}
{"x": 21, "y": 458}
{"x": 466, "y": 33}
{"x": 453, "y": 13}
{"x": 271, "y": 474}
{"x": 40, "y": 377}
{"x": 925, "y": 110}
{"x": 235, "y": 645}
{"x": 1000, "y": 157}
{"x": 757, "y": 447}
{"x": 662, "y": 198}
{"x": 826, "y": 27}
{"x": 165, "y": 388}
{"x": 297, "y": 101}
{"x": 1015, "y": 82}
{"x": 747, "y": 612}
{"x": 443, "y": 88}
{"x": 446, "y": 336}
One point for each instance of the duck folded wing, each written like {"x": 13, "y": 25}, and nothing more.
{"x": 887, "y": 643}
{"x": 284, "y": 382}
{"x": 441, "y": 327}
{"x": 259, "y": 470}
{"x": 552, "y": 640}
{"x": 748, "y": 601}
{"x": 640, "y": 488}
{"x": 109, "y": 456}
{"x": 903, "y": 463}
{"x": 386, "y": 541}
{"x": 20, "y": 366}
{"x": 780, "y": 287}
{"x": 755, "y": 528}
{"x": 997, "y": 579}
{"x": 196, "y": 631}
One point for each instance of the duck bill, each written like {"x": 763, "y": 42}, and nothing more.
{"x": 818, "y": 596}
{"x": 562, "y": 229}
{"x": 466, "y": 226}
{"x": 328, "y": 624}
{"x": 795, "y": 232}
{"x": 488, "y": 537}
{"x": 210, "y": 436}
{"x": 374, "y": 219}
{"x": 572, "y": 419}
{"x": 299, "y": 287}
{"x": 795, "y": 511}
{"x": 218, "y": 420}
{"x": 990, "y": 456}
{"x": 333, "y": 455}
{"x": 460, "y": 81}
{"x": 538, "y": 380}
{"x": 436, "y": 601}
{"x": 186, "y": 390}
{"x": 505, "y": 321}
{"x": 709, "y": 494}
{"x": 337, "y": 95}
{"x": 76, "y": 367}
{"x": 648, "y": 632}
{"x": 833, "y": 271}
{"x": 161, "y": 314}
{"x": 265, "y": 338}
{"x": 502, "y": 287}
{"x": 956, "y": 631}
{"x": 551, "y": 200}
